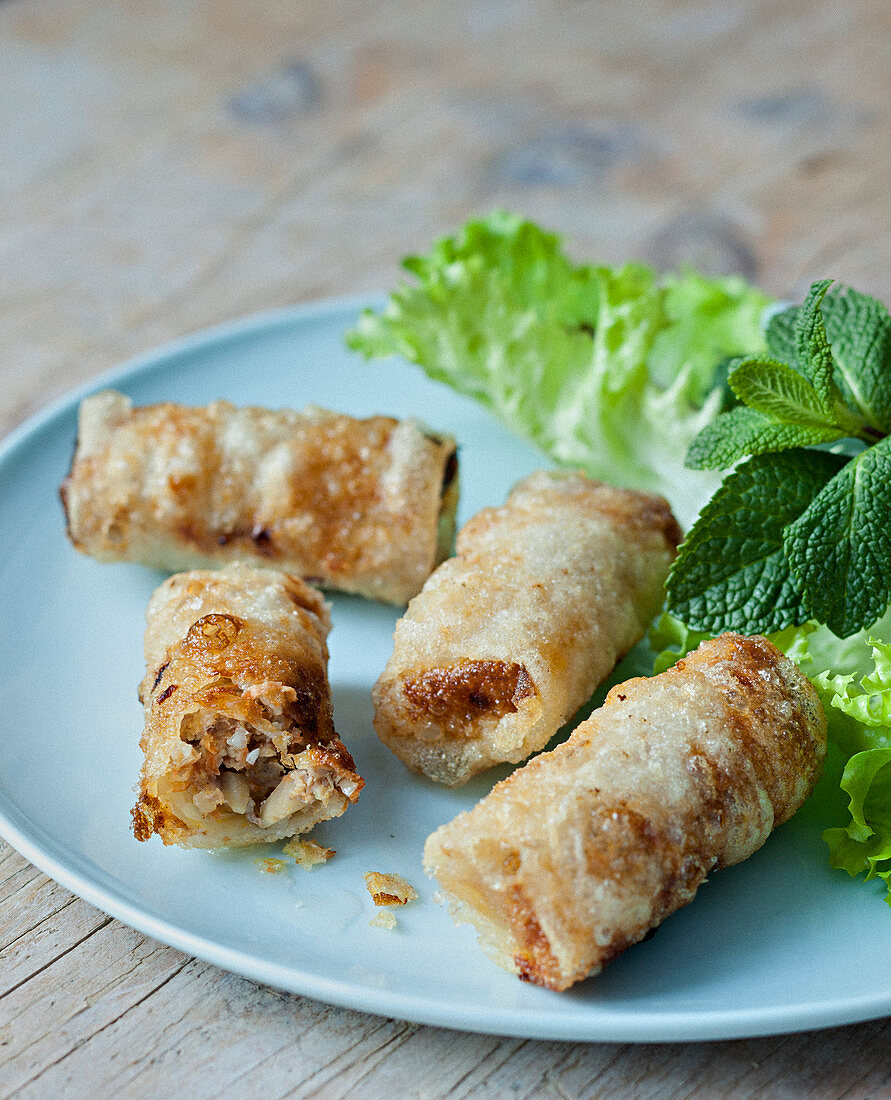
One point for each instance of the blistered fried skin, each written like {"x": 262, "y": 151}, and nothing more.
{"x": 239, "y": 742}
{"x": 580, "y": 853}
{"x": 363, "y": 506}
{"x": 508, "y": 639}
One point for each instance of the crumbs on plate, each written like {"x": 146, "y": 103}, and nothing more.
{"x": 307, "y": 854}
{"x": 384, "y": 918}
{"x": 271, "y": 866}
{"x": 389, "y": 889}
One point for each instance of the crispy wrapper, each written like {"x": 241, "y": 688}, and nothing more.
{"x": 364, "y": 506}
{"x": 581, "y": 852}
{"x": 239, "y": 742}
{"x": 510, "y": 637}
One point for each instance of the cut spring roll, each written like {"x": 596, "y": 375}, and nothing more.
{"x": 581, "y": 852}
{"x": 364, "y": 506}
{"x": 510, "y": 637}
{"x": 239, "y": 742}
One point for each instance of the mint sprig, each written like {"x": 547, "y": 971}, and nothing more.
{"x": 733, "y": 568}
{"x": 839, "y": 548}
{"x": 796, "y": 533}
{"x": 859, "y": 332}
{"x": 812, "y": 351}
{"x": 746, "y": 431}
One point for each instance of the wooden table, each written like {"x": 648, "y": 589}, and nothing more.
{"x": 169, "y": 165}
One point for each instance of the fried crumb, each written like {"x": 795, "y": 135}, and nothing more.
{"x": 389, "y": 889}
{"x": 384, "y": 919}
{"x": 271, "y": 866}
{"x": 307, "y": 854}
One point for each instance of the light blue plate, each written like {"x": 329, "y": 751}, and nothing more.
{"x": 779, "y": 943}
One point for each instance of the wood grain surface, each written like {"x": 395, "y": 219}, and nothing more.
{"x": 174, "y": 164}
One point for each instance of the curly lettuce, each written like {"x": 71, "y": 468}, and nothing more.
{"x": 670, "y": 639}
{"x": 863, "y": 845}
{"x": 613, "y": 370}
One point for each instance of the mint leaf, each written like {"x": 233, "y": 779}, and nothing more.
{"x": 744, "y": 431}
{"x": 731, "y": 572}
{"x": 859, "y": 330}
{"x": 784, "y": 406}
{"x": 780, "y": 335}
{"x": 839, "y": 549}
{"x": 813, "y": 355}
{"x": 779, "y": 391}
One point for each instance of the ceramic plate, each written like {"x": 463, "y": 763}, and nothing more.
{"x": 780, "y": 943}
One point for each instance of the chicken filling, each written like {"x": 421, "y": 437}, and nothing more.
{"x": 261, "y": 769}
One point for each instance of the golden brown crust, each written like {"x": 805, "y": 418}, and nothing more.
{"x": 510, "y": 637}
{"x": 580, "y": 853}
{"x": 458, "y": 696}
{"x": 237, "y": 702}
{"x": 149, "y": 817}
{"x": 364, "y": 506}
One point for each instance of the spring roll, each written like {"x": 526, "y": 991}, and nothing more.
{"x": 510, "y": 637}
{"x": 239, "y": 742}
{"x": 580, "y": 853}
{"x": 363, "y": 506}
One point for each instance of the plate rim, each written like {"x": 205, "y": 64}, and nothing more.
{"x": 542, "y": 1024}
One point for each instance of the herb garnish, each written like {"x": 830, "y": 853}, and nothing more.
{"x": 802, "y": 529}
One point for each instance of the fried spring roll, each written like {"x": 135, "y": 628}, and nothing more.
{"x": 508, "y": 639}
{"x": 239, "y": 743}
{"x": 364, "y": 506}
{"x": 577, "y": 855}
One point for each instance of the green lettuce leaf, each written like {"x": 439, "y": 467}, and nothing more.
{"x": 670, "y": 639}
{"x": 863, "y": 846}
{"x": 707, "y": 317}
{"x": 857, "y": 686}
{"x": 613, "y": 370}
